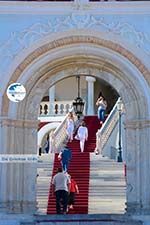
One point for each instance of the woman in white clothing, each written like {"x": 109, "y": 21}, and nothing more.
{"x": 82, "y": 135}
{"x": 70, "y": 126}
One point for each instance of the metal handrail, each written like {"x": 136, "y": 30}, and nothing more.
{"x": 60, "y": 135}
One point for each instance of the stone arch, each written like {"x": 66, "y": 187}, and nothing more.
{"x": 44, "y": 130}
{"x": 98, "y": 67}
{"x": 75, "y": 39}
{"x": 100, "y": 58}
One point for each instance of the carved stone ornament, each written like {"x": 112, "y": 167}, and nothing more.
{"x": 18, "y": 41}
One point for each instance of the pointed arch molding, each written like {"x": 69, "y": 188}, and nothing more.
{"x": 70, "y": 40}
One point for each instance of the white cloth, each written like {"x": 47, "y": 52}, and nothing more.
{"x": 82, "y": 134}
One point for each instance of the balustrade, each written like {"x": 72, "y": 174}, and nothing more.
{"x": 60, "y": 135}
{"x": 59, "y": 108}
{"x": 104, "y": 133}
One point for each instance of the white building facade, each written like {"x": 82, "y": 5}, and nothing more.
{"x": 42, "y": 43}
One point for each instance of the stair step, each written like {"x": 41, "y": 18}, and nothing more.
{"x": 79, "y": 167}
{"x": 95, "y": 192}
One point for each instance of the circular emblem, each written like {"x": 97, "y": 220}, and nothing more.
{"x": 16, "y": 92}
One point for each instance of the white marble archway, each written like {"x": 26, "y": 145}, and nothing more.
{"x": 71, "y": 60}
{"x": 46, "y": 129}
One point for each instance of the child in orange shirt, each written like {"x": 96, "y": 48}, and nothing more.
{"x": 73, "y": 190}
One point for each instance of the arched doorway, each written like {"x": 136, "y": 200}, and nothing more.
{"x": 72, "y": 55}
{"x": 46, "y": 130}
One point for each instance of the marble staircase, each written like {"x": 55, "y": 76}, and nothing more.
{"x": 107, "y": 187}
{"x": 44, "y": 174}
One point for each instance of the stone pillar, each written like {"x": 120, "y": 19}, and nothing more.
{"x": 51, "y": 100}
{"x": 138, "y": 166}
{"x": 90, "y": 103}
{"x": 18, "y": 180}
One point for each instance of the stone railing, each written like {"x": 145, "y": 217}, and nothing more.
{"x": 60, "y": 136}
{"x": 104, "y": 133}
{"x": 57, "y": 108}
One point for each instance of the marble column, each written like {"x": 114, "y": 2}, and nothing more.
{"x": 138, "y": 166}
{"x": 51, "y": 100}
{"x": 90, "y": 103}
{"x": 18, "y": 180}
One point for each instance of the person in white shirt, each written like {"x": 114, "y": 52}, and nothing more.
{"x": 82, "y": 135}
{"x": 70, "y": 126}
{"x": 61, "y": 186}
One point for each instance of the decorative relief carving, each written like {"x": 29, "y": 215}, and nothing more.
{"x": 24, "y": 39}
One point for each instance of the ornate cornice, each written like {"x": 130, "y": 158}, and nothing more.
{"x": 25, "y": 38}
{"x": 40, "y": 8}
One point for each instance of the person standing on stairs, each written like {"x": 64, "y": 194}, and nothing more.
{"x": 102, "y": 105}
{"x": 46, "y": 146}
{"x": 65, "y": 156}
{"x": 73, "y": 190}
{"x": 70, "y": 126}
{"x": 61, "y": 186}
{"x": 82, "y": 135}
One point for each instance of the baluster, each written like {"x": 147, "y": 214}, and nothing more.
{"x": 59, "y": 109}
{"x": 48, "y": 109}
{"x": 66, "y": 108}
{"x": 62, "y": 109}
{"x": 51, "y": 108}
{"x": 40, "y": 109}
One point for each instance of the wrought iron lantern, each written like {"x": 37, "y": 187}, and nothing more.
{"x": 78, "y": 103}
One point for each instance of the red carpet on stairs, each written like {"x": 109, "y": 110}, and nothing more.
{"x": 78, "y": 169}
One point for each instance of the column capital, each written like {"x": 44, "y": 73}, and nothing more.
{"x": 137, "y": 124}
{"x": 90, "y": 79}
